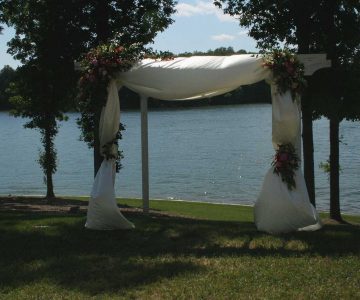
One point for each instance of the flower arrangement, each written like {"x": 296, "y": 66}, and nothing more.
{"x": 98, "y": 67}
{"x": 101, "y": 64}
{"x": 285, "y": 163}
{"x": 288, "y": 71}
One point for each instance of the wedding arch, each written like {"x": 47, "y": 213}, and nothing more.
{"x": 280, "y": 207}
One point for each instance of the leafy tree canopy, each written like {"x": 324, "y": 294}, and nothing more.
{"x": 51, "y": 34}
{"x": 326, "y": 26}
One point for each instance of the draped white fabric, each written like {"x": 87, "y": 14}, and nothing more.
{"x": 277, "y": 209}
{"x": 103, "y": 212}
{"x": 193, "y": 77}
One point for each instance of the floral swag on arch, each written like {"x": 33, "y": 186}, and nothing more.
{"x": 99, "y": 66}
{"x": 283, "y": 204}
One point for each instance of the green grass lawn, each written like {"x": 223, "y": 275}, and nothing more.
{"x": 211, "y": 252}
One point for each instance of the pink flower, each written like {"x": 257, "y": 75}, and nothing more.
{"x": 289, "y": 67}
{"x": 278, "y": 165}
{"x": 283, "y": 157}
{"x": 119, "y": 49}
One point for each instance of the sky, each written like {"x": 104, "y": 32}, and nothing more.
{"x": 198, "y": 25}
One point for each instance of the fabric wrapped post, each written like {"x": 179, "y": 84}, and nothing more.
{"x": 278, "y": 209}
{"x": 103, "y": 212}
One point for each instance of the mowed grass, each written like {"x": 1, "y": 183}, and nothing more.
{"x": 209, "y": 252}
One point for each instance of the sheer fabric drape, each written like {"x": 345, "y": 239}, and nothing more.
{"x": 103, "y": 212}
{"x": 279, "y": 209}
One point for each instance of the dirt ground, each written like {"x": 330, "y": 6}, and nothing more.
{"x": 61, "y": 206}
{"x": 69, "y": 206}
{"x": 57, "y": 205}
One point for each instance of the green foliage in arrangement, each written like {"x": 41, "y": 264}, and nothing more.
{"x": 98, "y": 67}
{"x": 285, "y": 163}
{"x": 287, "y": 70}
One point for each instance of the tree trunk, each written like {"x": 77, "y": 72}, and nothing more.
{"x": 49, "y": 165}
{"x": 49, "y": 186}
{"x": 308, "y": 147}
{"x": 329, "y": 22}
{"x": 103, "y": 33}
{"x": 97, "y": 157}
{"x": 302, "y": 11}
{"x": 334, "y": 170}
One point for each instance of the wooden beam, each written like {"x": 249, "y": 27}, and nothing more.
{"x": 314, "y": 62}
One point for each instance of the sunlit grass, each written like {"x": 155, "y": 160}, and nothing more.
{"x": 207, "y": 252}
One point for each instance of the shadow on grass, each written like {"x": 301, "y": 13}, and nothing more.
{"x": 58, "y": 248}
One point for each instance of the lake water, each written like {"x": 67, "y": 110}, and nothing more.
{"x": 214, "y": 154}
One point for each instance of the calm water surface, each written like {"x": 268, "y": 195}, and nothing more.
{"x": 213, "y": 154}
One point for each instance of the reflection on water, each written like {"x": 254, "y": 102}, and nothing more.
{"x": 214, "y": 154}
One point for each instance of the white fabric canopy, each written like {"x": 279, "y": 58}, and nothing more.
{"x": 194, "y": 78}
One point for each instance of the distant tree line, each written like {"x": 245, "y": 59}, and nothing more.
{"x": 7, "y": 76}
{"x": 221, "y": 51}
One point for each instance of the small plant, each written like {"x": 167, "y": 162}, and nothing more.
{"x": 325, "y": 166}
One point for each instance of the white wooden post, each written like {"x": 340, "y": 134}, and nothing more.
{"x": 144, "y": 152}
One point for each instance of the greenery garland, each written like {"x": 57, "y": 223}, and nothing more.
{"x": 285, "y": 163}
{"x": 98, "y": 67}
{"x": 288, "y": 71}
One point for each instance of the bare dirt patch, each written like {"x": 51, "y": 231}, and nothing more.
{"x": 60, "y": 206}
{"x": 37, "y": 204}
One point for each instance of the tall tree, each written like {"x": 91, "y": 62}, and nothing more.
{"x": 45, "y": 42}
{"x": 271, "y": 23}
{"x": 50, "y": 35}
{"x": 336, "y": 92}
{"x": 330, "y": 26}
{"x": 128, "y": 22}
